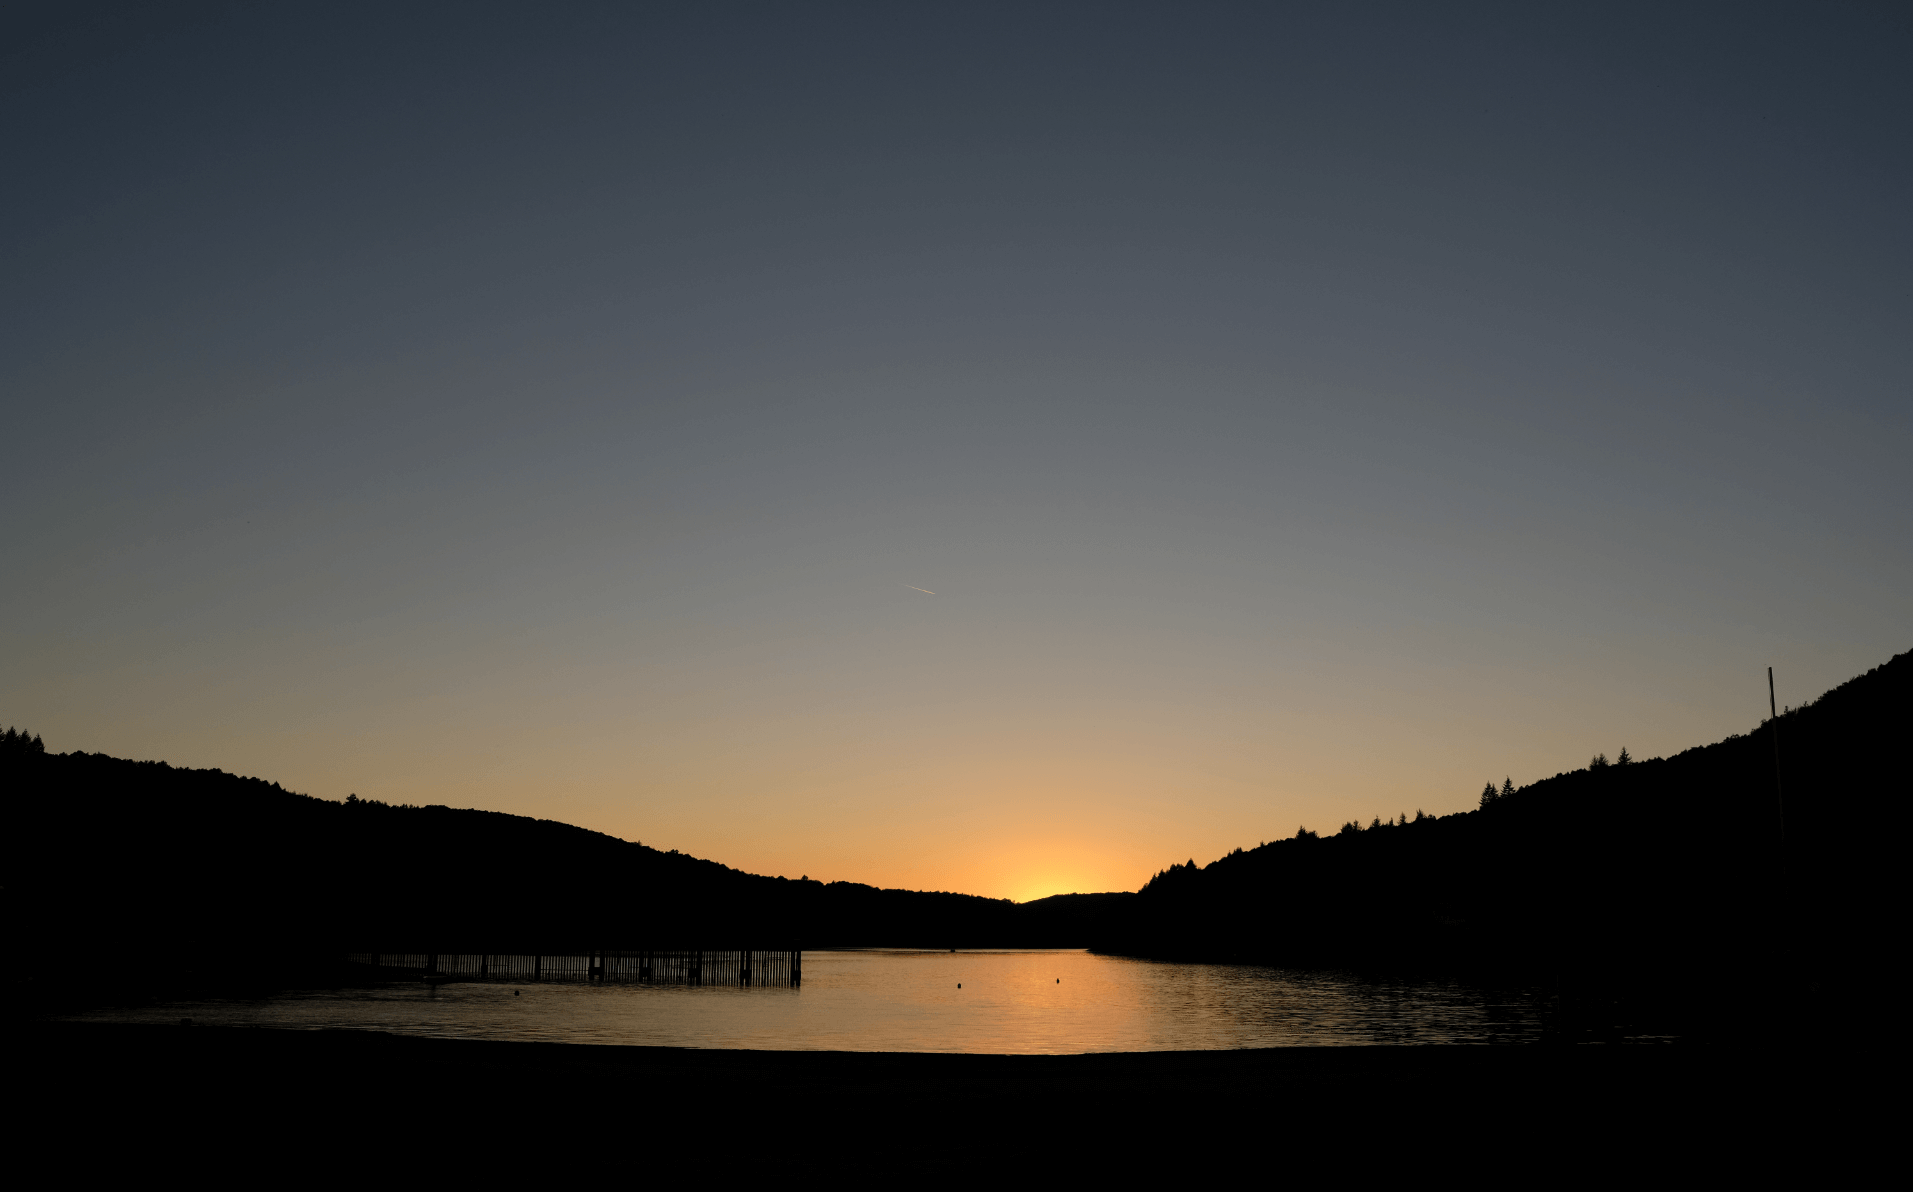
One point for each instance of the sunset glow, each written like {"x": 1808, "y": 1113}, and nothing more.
{"x": 1005, "y": 454}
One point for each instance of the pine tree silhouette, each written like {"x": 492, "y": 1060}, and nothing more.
{"x": 17, "y": 741}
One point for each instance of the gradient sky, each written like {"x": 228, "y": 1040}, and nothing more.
{"x": 1300, "y": 413}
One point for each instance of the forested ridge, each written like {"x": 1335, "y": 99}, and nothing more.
{"x": 1644, "y": 880}
{"x": 144, "y": 856}
{"x": 1668, "y": 875}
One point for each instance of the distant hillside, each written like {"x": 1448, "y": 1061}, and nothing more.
{"x": 1662, "y": 879}
{"x": 1657, "y": 881}
{"x": 103, "y": 851}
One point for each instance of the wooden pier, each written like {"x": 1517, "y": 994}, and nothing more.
{"x": 679, "y": 967}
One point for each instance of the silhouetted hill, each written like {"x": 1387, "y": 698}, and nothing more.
{"x": 1659, "y": 881}
{"x": 190, "y": 866}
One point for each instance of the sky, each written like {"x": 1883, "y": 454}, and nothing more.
{"x": 996, "y": 448}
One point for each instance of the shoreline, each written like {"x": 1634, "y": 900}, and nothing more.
{"x": 145, "y": 1085}
{"x": 311, "y": 1052}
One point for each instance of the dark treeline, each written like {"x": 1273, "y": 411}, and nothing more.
{"x": 14, "y": 742}
{"x": 202, "y": 870}
{"x": 1661, "y": 881}
{"x": 1660, "y": 884}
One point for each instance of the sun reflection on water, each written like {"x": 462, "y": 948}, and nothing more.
{"x": 1018, "y": 1002}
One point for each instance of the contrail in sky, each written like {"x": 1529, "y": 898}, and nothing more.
{"x": 915, "y": 588}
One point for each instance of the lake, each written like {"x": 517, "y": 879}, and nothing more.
{"x": 1017, "y": 1002}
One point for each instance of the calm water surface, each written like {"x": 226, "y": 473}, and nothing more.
{"x": 1014, "y": 1002}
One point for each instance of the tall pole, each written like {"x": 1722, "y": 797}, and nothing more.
{"x": 1780, "y": 800}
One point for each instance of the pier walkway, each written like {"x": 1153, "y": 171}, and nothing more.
{"x": 680, "y": 967}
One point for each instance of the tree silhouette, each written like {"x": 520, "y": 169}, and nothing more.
{"x": 16, "y": 741}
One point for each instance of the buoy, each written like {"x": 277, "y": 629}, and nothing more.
{"x": 514, "y": 993}
{"x": 959, "y": 984}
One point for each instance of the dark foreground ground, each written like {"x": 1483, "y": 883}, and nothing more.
{"x": 375, "y": 1107}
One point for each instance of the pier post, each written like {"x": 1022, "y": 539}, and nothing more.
{"x": 744, "y": 968}
{"x": 796, "y": 969}
{"x": 431, "y": 965}
{"x": 537, "y": 968}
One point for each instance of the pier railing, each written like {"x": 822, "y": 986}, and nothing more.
{"x": 679, "y": 967}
